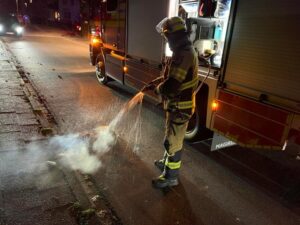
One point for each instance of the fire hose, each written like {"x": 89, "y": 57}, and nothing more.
{"x": 204, "y": 59}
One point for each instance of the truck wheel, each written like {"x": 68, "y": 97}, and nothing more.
{"x": 100, "y": 71}
{"x": 196, "y": 131}
{"x": 93, "y": 56}
{"x": 93, "y": 60}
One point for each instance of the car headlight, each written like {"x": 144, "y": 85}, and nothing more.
{"x": 1, "y": 27}
{"x": 19, "y": 29}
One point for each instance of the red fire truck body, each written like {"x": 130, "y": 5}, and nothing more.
{"x": 251, "y": 91}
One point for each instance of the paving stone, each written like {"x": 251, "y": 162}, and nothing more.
{"x": 1, "y": 198}
{"x": 7, "y": 109}
{"x": 14, "y": 101}
{"x": 20, "y": 110}
{"x": 6, "y": 139}
{"x": 24, "y": 116}
{"x": 9, "y": 142}
{"x": 33, "y": 216}
{"x": 50, "y": 178}
{"x": 8, "y": 119}
{"x": 30, "y": 134}
{"x": 2, "y": 216}
{"x": 25, "y": 119}
{"x": 19, "y": 181}
{"x": 30, "y": 129}
{"x": 61, "y": 216}
{"x": 38, "y": 217}
{"x": 9, "y": 128}
{"x": 17, "y": 202}
{"x": 5, "y": 67}
{"x": 18, "y": 93}
{"x": 27, "y": 122}
{"x": 15, "y": 162}
{"x": 56, "y": 197}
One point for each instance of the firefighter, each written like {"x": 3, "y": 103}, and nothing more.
{"x": 178, "y": 91}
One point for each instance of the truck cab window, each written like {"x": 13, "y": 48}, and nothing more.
{"x": 111, "y": 5}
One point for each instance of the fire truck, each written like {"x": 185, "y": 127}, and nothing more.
{"x": 250, "y": 90}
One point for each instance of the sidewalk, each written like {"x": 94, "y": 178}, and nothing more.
{"x": 31, "y": 191}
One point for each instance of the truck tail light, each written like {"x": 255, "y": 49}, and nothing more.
{"x": 95, "y": 41}
{"x": 214, "y": 105}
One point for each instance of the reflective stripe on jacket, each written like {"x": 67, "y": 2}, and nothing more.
{"x": 178, "y": 89}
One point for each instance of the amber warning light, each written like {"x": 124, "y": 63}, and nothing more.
{"x": 95, "y": 41}
{"x": 214, "y": 105}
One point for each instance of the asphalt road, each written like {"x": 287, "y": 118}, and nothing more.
{"x": 210, "y": 192}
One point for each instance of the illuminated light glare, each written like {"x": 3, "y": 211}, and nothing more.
{"x": 19, "y": 30}
{"x": 173, "y": 11}
{"x": 214, "y": 105}
{"x": 125, "y": 69}
{"x": 1, "y": 28}
{"x": 173, "y": 8}
{"x": 168, "y": 51}
{"x": 95, "y": 41}
{"x": 226, "y": 23}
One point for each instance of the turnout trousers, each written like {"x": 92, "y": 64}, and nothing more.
{"x": 175, "y": 128}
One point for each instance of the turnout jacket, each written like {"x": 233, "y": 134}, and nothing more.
{"x": 182, "y": 80}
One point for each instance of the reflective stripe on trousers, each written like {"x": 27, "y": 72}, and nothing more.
{"x": 172, "y": 165}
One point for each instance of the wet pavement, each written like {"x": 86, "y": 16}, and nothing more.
{"x": 17, "y": 120}
{"x": 209, "y": 193}
{"x": 32, "y": 191}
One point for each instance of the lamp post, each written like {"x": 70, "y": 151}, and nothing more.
{"x": 17, "y": 4}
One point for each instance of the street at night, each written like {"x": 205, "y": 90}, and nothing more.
{"x": 75, "y": 149}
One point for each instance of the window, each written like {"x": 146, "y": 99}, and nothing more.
{"x": 111, "y": 5}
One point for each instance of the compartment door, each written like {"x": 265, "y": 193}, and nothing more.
{"x": 114, "y": 24}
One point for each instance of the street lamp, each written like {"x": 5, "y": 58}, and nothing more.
{"x": 17, "y": 4}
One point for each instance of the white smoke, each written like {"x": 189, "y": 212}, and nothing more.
{"x": 78, "y": 151}
{"x": 83, "y": 152}
{"x": 106, "y": 139}
{"x": 74, "y": 152}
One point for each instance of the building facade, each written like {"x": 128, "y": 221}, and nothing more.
{"x": 69, "y": 11}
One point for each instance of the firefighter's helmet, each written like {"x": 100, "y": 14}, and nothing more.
{"x": 171, "y": 25}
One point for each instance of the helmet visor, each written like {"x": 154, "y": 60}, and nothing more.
{"x": 161, "y": 26}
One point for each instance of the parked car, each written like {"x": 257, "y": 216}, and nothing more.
{"x": 10, "y": 24}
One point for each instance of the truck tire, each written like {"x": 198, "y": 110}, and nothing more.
{"x": 93, "y": 59}
{"x": 196, "y": 131}
{"x": 93, "y": 56}
{"x": 100, "y": 70}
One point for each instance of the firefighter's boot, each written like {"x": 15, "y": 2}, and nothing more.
{"x": 169, "y": 177}
{"x": 162, "y": 182}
